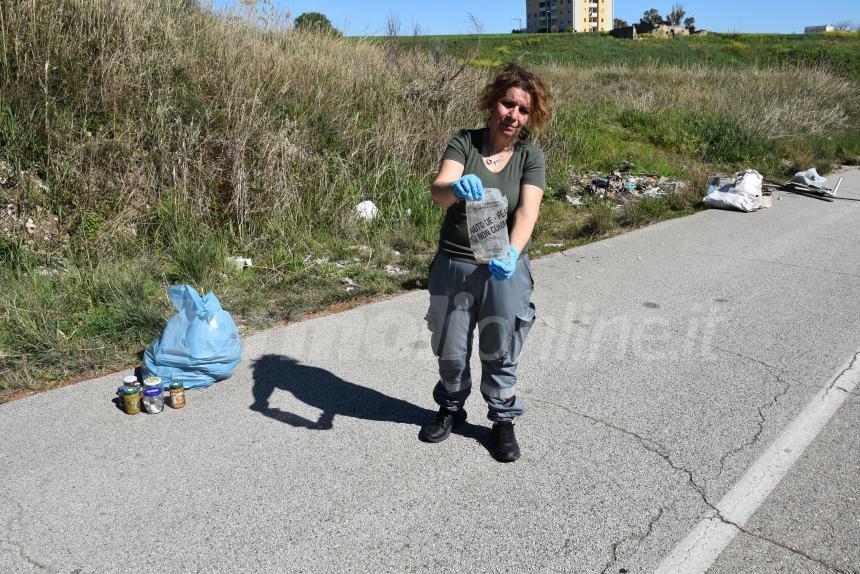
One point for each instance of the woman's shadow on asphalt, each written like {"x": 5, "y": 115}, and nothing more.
{"x": 336, "y": 397}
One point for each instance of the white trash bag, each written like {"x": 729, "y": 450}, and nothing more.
{"x": 366, "y": 210}
{"x": 744, "y": 194}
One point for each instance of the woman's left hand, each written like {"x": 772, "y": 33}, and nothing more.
{"x": 504, "y": 268}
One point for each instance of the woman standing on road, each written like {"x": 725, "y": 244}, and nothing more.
{"x": 495, "y": 297}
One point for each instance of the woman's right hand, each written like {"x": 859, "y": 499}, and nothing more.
{"x": 468, "y": 187}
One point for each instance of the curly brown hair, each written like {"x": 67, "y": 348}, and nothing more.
{"x": 512, "y": 75}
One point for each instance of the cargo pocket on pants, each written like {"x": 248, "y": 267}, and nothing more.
{"x": 436, "y": 319}
{"x": 522, "y": 326}
{"x": 432, "y": 327}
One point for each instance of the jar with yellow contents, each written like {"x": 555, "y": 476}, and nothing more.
{"x": 131, "y": 399}
{"x": 177, "y": 395}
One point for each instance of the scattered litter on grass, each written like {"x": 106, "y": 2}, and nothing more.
{"x": 323, "y": 261}
{"x": 239, "y": 262}
{"x": 556, "y": 245}
{"x": 363, "y": 251}
{"x": 8, "y": 175}
{"x": 621, "y": 185}
{"x": 40, "y": 228}
{"x": 366, "y": 210}
{"x": 349, "y": 284}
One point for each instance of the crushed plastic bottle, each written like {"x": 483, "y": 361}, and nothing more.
{"x": 487, "y": 221}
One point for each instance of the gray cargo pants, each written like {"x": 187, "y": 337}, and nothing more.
{"x": 463, "y": 296}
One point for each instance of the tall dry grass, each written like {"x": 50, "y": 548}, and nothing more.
{"x": 142, "y": 102}
{"x": 754, "y": 117}
{"x": 781, "y": 102}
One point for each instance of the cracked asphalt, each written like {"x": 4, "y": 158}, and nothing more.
{"x": 663, "y": 363}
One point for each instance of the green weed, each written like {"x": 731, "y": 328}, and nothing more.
{"x": 646, "y": 210}
{"x": 599, "y": 219}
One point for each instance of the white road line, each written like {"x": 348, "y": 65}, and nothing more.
{"x": 706, "y": 541}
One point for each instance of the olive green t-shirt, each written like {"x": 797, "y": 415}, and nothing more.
{"x": 526, "y": 166}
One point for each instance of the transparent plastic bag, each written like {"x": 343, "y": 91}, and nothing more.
{"x": 487, "y": 220}
{"x": 199, "y": 345}
{"x": 809, "y": 178}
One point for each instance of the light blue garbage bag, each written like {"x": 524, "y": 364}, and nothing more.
{"x": 199, "y": 345}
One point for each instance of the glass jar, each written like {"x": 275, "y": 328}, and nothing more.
{"x": 150, "y": 382}
{"x": 131, "y": 381}
{"x": 177, "y": 395}
{"x": 131, "y": 400}
{"x": 153, "y": 400}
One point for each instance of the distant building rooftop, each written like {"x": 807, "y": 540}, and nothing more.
{"x": 818, "y": 29}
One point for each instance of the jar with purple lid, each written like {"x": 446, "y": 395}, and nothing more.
{"x": 153, "y": 400}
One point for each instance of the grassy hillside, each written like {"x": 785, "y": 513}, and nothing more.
{"x": 836, "y": 52}
{"x": 141, "y": 143}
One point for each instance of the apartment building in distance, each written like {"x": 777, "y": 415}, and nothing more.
{"x": 569, "y": 15}
{"x": 819, "y": 29}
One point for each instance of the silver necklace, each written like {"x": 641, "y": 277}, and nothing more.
{"x": 491, "y": 161}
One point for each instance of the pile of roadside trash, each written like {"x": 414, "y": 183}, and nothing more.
{"x": 621, "y": 185}
{"x": 748, "y": 191}
{"x": 743, "y": 191}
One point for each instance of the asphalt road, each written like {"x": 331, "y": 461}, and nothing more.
{"x": 668, "y": 367}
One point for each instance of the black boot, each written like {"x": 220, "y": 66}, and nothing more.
{"x": 440, "y": 427}
{"x": 505, "y": 447}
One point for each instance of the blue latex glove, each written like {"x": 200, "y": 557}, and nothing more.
{"x": 504, "y": 268}
{"x": 468, "y": 187}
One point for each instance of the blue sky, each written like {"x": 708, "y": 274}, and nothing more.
{"x": 369, "y": 17}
